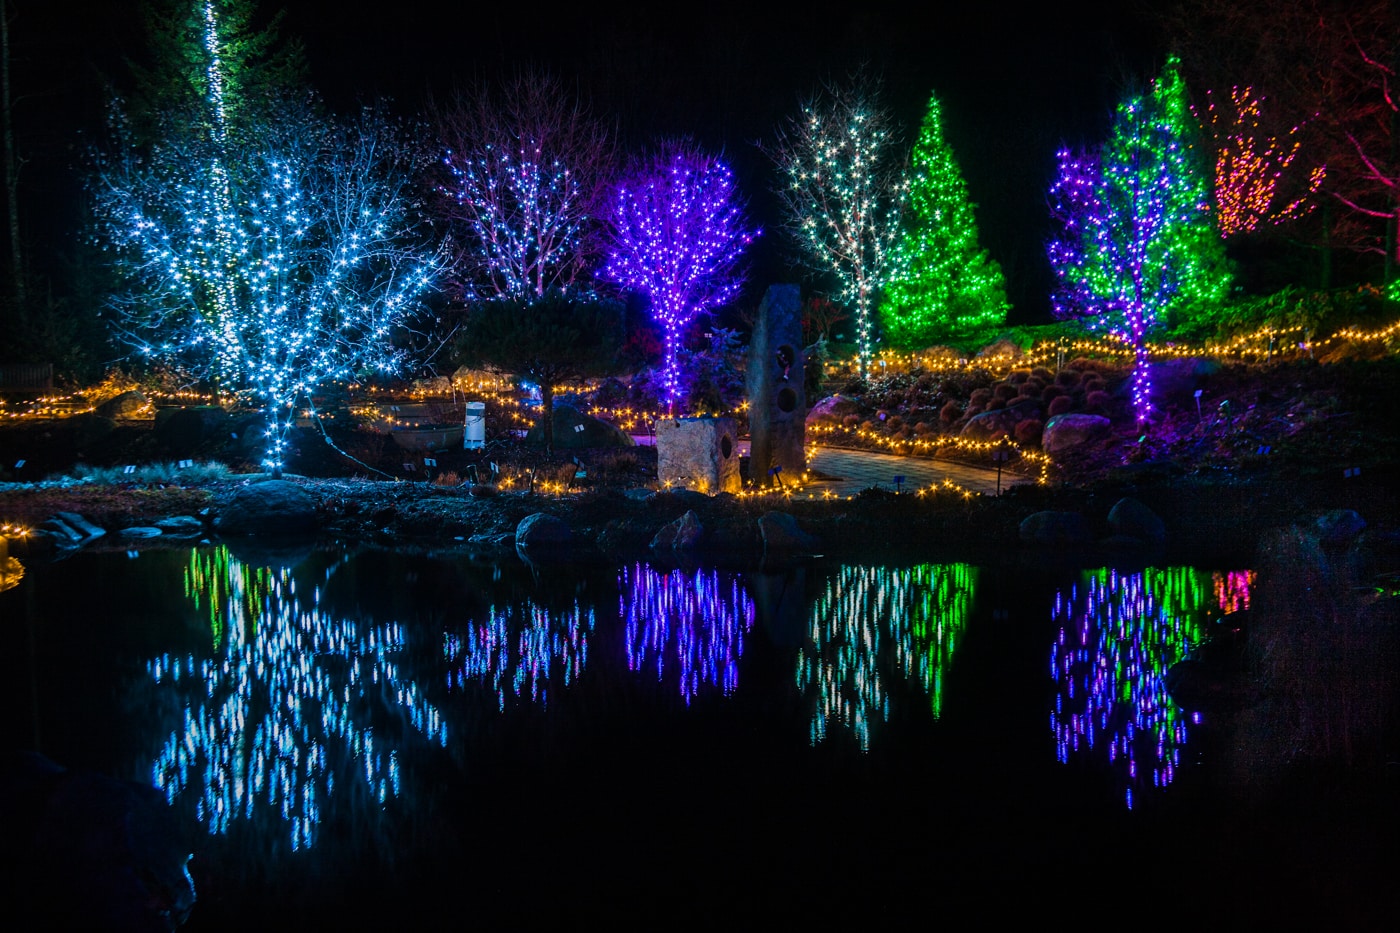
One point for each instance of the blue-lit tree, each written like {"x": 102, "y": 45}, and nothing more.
{"x": 269, "y": 266}
{"x": 522, "y": 185}
{"x": 678, "y": 233}
{"x": 267, "y": 256}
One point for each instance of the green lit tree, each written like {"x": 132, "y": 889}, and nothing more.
{"x": 1140, "y": 244}
{"x": 843, "y": 191}
{"x": 944, "y": 285}
{"x": 203, "y": 55}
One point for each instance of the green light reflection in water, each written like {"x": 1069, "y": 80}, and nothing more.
{"x": 274, "y": 720}
{"x": 874, "y": 624}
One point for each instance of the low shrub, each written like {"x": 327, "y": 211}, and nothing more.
{"x": 1061, "y": 405}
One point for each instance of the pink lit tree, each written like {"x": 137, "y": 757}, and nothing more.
{"x": 678, "y": 233}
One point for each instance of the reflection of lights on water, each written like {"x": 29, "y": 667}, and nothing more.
{"x": 1232, "y": 589}
{"x": 275, "y": 715}
{"x": 873, "y": 623}
{"x": 1119, "y": 634}
{"x": 699, "y": 618}
{"x": 520, "y": 649}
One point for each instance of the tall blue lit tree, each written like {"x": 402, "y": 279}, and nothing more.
{"x": 269, "y": 260}
{"x": 678, "y": 234}
{"x": 1139, "y": 239}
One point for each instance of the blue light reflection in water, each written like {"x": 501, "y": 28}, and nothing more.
{"x": 272, "y": 716}
{"x": 699, "y": 617}
{"x": 871, "y": 624}
{"x": 1119, "y": 634}
{"x": 520, "y": 649}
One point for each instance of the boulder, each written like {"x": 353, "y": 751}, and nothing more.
{"x": 1130, "y": 518}
{"x": 1065, "y": 431}
{"x": 89, "y": 852}
{"x": 274, "y": 507}
{"x": 990, "y": 425}
{"x": 126, "y": 406}
{"x": 139, "y": 531}
{"x": 832, "y": 408}
{"x": 183, "y": 431}
{"x": 782, "y": 534}
{"x": 180, "y": 526}
{"x": 574, "y": 430}
{"x": 542, "y": 531}
{"x": 88, "y": 428}
{"x": 698, "y": 453}
{"x": 1339, "y": 527}
{"x": 683, "y": 534}
{"x": 1049, "y": 529}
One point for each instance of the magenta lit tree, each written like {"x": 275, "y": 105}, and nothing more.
{"x": 678, "y": 233}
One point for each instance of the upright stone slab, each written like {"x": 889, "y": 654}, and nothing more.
{"x": 777, "y": 399}
{"x": 698, "y": 453}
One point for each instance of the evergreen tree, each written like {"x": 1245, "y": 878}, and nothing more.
{"x": 1142, "y": 245}
{"x": 208, "y": 62}
{"x": 944, "y": 284}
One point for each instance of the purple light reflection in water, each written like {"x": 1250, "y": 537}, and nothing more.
{"x": 1119, "y": 634}
{"x": 697, "y": 618}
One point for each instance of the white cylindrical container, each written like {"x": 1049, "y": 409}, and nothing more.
{"x": 474, "y": 438}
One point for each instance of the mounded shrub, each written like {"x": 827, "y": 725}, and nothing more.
{"x": 1018, "y": 376}
{"x": 1060, "y": 405}
{"x": 1006, "y": 391}
{"x": 1069, "y": 378}
{"x": 1098, "y": 400}
{"x": 980, "y": 396}
{"x": 952, "y": 411}
{"x": 1052, "y": 392}
{"x": 1043, "y": 374}
{"x": 1028, "y": 432}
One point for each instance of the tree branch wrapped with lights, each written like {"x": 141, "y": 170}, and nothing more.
{"x": 270, "y": 265}
{"x": 678, "y": 234}
{"x": 843, "y": 191}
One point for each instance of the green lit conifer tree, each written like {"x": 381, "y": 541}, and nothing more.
{"x": 944, "y": 285}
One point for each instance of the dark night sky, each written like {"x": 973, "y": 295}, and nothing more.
{"x": 1013, "y": 87}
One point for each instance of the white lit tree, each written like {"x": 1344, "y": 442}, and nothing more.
{"x": 521, "y": 186}
{"x": 844, "y": 188}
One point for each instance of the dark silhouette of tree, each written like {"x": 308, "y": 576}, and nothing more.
{"x": 550, "y": 340}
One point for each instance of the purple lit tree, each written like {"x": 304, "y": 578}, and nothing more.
{"x": 677, "y": 235}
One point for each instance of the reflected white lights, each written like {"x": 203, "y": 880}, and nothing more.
{"x": 278, "y": 716}
{"x": 697, "y": 619}
{"x": 520, "y": 650}
{"x": 1119, "y": 634}
{"x": 873, "y": 624}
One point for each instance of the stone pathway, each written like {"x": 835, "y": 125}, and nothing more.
{"x": 862, "y": 469}
{"x": 856, "y": 470}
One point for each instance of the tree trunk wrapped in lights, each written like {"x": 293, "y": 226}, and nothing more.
{"x": 678, "y": 235}
{"x": 1139, "y": 239}
{"x": 843, "y": 190}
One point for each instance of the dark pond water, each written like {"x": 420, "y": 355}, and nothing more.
{"x": 365, "y": 738}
